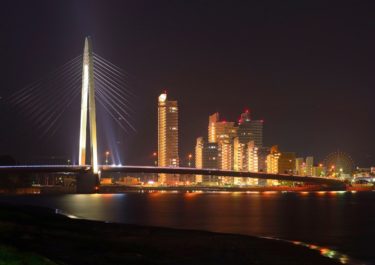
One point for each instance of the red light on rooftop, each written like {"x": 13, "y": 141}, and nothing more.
{"x": 247, "y": 110}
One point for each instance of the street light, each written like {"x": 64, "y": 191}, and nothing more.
{"x": 189, "y": 157}
{"x": 106, "y": 157}
{"x": 155, "y": 156}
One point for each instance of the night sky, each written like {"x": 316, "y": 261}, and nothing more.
{"x": 305, "y": 67}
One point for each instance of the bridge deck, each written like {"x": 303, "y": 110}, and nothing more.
{"x": 166, "y": 170}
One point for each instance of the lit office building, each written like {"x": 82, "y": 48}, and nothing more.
{"x": 273, "y": 160}
{"x": 226, "y": 155}
{"x": 252, "y": 162}
{"x": 212, "y": 121}
{"x": 250, "y": 130}
{"x": 239, "y": 159}
{"x": 273, "y": 163}
{"x": 199, "y": 157}
{"x": 167, "y": 134}
{"x": 220, "y": 130}
{"x": 239, "y": 155}
{"x": 252, "y": 157}
{"x": 244, "y": 128}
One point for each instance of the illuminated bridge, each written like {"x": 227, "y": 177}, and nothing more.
{"x": 88, "y": 175}
{"x": 85, "y": 172}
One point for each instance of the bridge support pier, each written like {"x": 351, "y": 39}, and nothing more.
{"x": 87, "y": 183}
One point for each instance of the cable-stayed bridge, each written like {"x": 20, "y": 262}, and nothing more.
{"x": 164, "y": 170}
{"x": 102, "y": 81}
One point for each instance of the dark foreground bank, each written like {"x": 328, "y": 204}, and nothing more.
{"x": 41, "y": 232}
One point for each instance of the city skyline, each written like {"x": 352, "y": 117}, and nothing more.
{"x": 310, "y": 82}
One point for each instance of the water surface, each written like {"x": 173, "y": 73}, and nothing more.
{"x": 344, "y": 221}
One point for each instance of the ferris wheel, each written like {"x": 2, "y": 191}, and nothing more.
{"x": 339, "y": 163}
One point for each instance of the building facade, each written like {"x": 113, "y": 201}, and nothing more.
{"x": 206, "y": 156}
{"x": 287, "y": 161}
{"x": 167, "y": 134}
{"x": 253, "y": 157}
{"x": 273, "y": 164}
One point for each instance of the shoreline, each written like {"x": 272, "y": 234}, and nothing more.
{"x": 79, "y": 241}
{"x": 111, "y": 189}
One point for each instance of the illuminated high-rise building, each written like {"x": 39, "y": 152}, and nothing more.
{"x": 226, "y": 155}
{"x": 199, "y": 152}
{"x": 244, "y": 128}
{"x": 239, "y": 155}
{"x": 220, "y": 130}
{"x": 239, "y": 159}
{"x": 273, "y": 160}
{"x": 250, "y": 130}
{"x": 167, "y": 134}
{"x": 212, "y": 120}
{"x": 199, "y": 157}
{"x": 253, "y": 158}
{"x": 273, "y": 163}
{"x": 252, "y": 161}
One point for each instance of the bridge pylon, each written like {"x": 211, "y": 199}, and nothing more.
{"x": 88, "y": 182}
{"x": 88, "y": 110}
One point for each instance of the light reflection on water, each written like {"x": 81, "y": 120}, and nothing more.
{"x": 326, "y": 252}
{"x": 342, "y": 221}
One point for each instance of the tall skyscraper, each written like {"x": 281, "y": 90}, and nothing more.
{"x": 167, "y": 134}
{"x": 199, "y": 152}
{"x": 220, "y": 130}
{"x": 226, "y": 154}
{"x": 239, "y": 155}
{"x": 250, "y": 130}
{"x": 199, "y": 158}
{"x": 212, "y": 120}
{"x": 256, "y": 130}
{"x": 253, "y": 157}
{"x": 244, "y": 128}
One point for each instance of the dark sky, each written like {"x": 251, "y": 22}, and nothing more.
{"x": 305, "y": 67}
